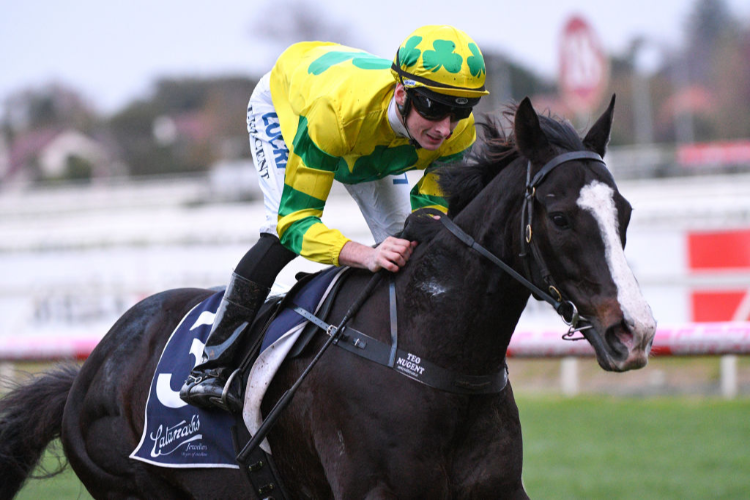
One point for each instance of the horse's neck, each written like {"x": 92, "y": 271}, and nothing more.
{"x": 461, "y": 309}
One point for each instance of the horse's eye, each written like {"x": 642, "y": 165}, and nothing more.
{"x": 560, "y": 220}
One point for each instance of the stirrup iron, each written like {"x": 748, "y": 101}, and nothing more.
{"x": 222, "y": 402}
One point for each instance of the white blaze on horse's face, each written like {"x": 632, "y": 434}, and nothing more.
{"x": 598, "y": 199}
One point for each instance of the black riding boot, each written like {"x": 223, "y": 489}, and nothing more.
{"x": 207, "y": 386}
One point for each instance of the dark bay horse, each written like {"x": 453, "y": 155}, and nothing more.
{"x": 356, "y": 429}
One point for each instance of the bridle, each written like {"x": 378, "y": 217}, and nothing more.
{"x": 357, "y": 342}
{"x": 530, "y": 251}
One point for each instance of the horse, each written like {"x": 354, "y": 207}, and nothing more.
{"x": 357, "y": 429}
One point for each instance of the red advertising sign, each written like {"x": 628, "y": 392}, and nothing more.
{"x": 720, "y": 252}
{"x": 584, "y": 67}
{"x": 721, "y": 153}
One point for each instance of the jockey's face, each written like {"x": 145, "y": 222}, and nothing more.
{"x": 428, "y": 133}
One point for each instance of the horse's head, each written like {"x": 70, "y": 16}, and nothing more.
{"x": 578, "y": 225}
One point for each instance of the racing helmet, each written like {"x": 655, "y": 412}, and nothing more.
{"x": 441, "y": 63}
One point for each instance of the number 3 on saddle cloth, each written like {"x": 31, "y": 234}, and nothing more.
{"x": 179, "y": 435}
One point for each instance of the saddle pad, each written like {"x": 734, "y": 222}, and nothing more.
{"x": 176, "y": 434}
{"x": 280, "y": 338}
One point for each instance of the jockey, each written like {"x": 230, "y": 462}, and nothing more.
{"x": 328, "y": 112}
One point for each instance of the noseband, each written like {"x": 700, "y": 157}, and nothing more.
{"x": 530, "y": 251}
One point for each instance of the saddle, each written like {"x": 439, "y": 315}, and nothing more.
{"x": 259, "y": 335}
{"x": 275, "y": 318}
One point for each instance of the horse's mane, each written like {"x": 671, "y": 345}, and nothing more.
{"x": 494, "y": 151}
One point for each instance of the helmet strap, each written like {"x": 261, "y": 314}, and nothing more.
{"x": 404, "y": 110}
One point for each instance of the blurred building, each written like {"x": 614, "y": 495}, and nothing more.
{"x": 55, "y": 154}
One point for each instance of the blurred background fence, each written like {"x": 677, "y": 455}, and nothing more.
{"x": 75, "y": 257}
{"x": 103, "y": 206}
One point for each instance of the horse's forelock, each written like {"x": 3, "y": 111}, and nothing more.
{"x": 561, "y": 133}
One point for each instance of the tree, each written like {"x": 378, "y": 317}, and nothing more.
{"x": 710, "y": 25}
{"x": 78, "y": 168}
{"x": 205, "y": 119}
{"x": 730, "y": 87}
{"x": 709, "y": 21}
{"x": 52, "y": 105}
{"x": 301, "y": 21}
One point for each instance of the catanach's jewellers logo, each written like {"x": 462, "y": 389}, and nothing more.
{"x": 167, "y": 440}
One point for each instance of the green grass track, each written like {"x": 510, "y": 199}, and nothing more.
{"x": 599, "y": 447}
{"x": 624, "y": 448}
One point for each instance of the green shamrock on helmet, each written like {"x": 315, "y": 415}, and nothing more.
{"x": 476, "y": 61}
{"x": 442, "y": 56}
{"x": 408, "y": 55}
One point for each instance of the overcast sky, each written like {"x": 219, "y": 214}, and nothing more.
{"x": 113, "y": 50}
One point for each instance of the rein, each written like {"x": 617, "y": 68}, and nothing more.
{"x": 413, "y": 366}
{"x": 566, "y": 309}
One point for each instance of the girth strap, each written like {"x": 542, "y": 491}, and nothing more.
{"x": 406, "y": 363}
{"x": 421, "y": 370}
{"x": 326, "y": 327}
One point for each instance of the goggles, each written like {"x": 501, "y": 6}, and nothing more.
{"x": 433, "y": 110}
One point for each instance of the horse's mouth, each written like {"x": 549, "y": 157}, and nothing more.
{"x": 618, "y": 349}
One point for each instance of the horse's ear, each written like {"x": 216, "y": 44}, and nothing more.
{"x": 530, "y": 139}
{"x": 598, "y": 137}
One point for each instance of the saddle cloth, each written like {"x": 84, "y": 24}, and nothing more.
{"x": 179, "y": 435}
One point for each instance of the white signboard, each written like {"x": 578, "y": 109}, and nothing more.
{"x": 584, "y": 68}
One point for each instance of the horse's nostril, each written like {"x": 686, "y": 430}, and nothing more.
{"x": 620, "y": 340}
{"x": 626, "y": 337}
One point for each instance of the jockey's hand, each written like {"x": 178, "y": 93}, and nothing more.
{"x": 391, "y": 255}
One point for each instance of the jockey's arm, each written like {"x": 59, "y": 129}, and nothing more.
{"x": 302, "y": 231}
{"x": 313, "y": 161}
{"x": 393, "y": 252}
{"x": 309, "y": 176}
